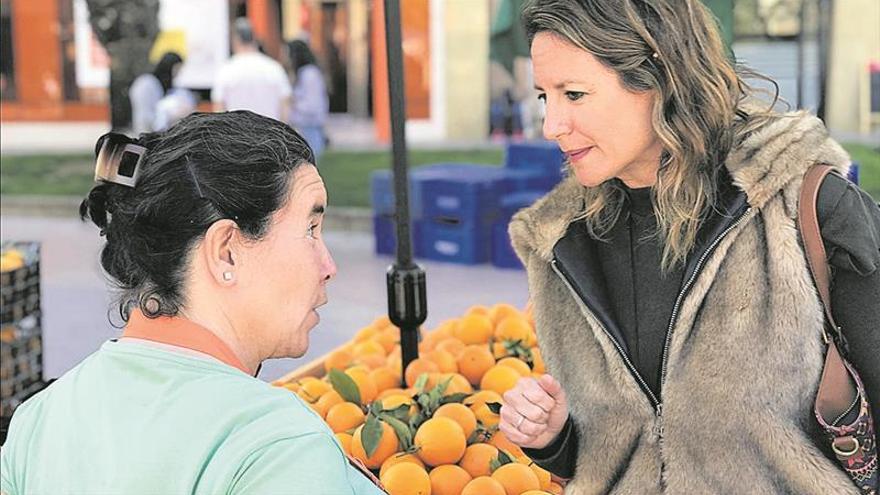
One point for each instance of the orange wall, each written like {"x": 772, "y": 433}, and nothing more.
{"x": 416, "y": 64}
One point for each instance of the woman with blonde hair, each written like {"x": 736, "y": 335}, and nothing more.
{"x": 673, "y": 303}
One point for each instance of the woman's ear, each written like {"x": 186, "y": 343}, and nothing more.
{"x": 219, "y": 249}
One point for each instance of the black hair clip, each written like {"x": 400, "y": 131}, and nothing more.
{"x": 118, "y": 159}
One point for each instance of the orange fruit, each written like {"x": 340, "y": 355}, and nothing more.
{"x": 518, "y": 365}
{"x": 365, "y": 333}
{"x": 459, "y": 413}
{"x": 477, "y": 403}
{"x": 448, "y": 479}
{"x": 388, "y": 445}
{"x": 532, "y": 339}
{"x": 395, "y": 363}
{"x": 542, "y": 474}
{"x": 327, "y": 401}
{"x": 499, "y": 379}
{"x": 477, "y": 458}
{"x": 484, "y": 485}
{"x": 344, "y": 440}
{"x": 312, "y": 390}
{"x": 538, "y": 365}
{"x": 397, "y": 400}
{"x": 444, "y": 360}
{"x": 477, "y": 309}
{"x": 344, "y": 416}
{"x": 499, "y": 439}
{"x": 474, "y": 329}
{"x": 365, "y": 385}
{"x": 501, "y": 311}
{"x": 451, "y": 345}
{"x": 536, "y": 492}
{"x": 369, "y": 347}
{"x": 397, "y": 459}
{"x": 513, "y": 328}
{"x": 406, "y": 478}
{"x": 384, "y": 378}
{"x": 338, "y": 359}
{"x": 381, "y": 322}
{"x": 391, "y": 391}
{"x": 457, "y": 384}
{"x": 555, "y": 488}
{"x": 388, "y": 338}
{"x": 474, "y": 361}
{"x": 370, "y": 361}
{"x": 440, "y": 441}
{"x": 445, "y": 327}
{"x": 292, "y": 386}
{"x": 499, "y": 351}
{"x": 417, "y": 367}
{"x": 516, "y": 478}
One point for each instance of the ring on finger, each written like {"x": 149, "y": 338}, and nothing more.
{"x": 520, "y": 422}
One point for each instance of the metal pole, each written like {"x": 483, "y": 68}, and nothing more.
{"x": 407, "y": 300}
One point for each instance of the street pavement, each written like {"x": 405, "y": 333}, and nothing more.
{"x": 77, "y": 302}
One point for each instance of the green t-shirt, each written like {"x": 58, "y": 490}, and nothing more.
{"x": 137, "y": 419}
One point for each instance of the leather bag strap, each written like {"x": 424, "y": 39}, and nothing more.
{"x": 836, "y": 389}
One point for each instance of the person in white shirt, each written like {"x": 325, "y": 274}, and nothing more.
{"x": 251, "y": 80}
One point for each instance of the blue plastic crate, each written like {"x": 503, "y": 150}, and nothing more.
{"x": 542, "y": 156}
{"x": 467, "y": 244}
{"x": 512, "y": 203}
{"x": 470, "y": 197}
{"x": 385, "y": 235}
{"x": 853, "y": 175}
{"x": 503, "y": 255}
{"x": 382, "y": 186}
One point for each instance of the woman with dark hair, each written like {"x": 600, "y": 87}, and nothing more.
{"x": 213, "y": 238}
{"x": 148, "y": 89}
{"x": 310, "y": 102}
{"x": 675, "y": 310}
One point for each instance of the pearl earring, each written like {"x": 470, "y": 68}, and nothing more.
{"x": 227, "y": 276}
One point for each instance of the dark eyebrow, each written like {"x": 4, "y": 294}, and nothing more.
{"x": 317, "y": 210}
{"x": 561, "y": 85}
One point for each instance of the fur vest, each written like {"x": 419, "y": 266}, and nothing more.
{"x": 744, "y": 355}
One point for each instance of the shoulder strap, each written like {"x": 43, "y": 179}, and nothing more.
{"x": 808, "y": 224}
{"x": 836, "y": 389}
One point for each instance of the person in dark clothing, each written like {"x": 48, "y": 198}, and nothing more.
{"x": 674, "y": 308}
{"x": 148, "y": 89}
{"x": 127, "y": 31}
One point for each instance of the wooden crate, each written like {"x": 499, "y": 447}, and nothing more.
{"x": 314, "y": 368}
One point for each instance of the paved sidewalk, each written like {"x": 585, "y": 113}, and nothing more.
{"x": 76, "y": 302}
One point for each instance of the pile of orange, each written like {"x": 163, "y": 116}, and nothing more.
{"x": 454, "y": 446}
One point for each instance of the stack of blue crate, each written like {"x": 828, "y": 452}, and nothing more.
{"x": 544, "y": 162}
{"x": 382, "y": 199}
{"x": 503, "y": 255}
{"x": 455, "y": 207}
{"x": 458, "y": 212}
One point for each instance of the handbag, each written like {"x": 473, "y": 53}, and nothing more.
{"x": 841, "y": 407}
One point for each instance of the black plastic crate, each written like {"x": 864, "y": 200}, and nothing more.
{"x": 21, "y": 364}
{"x": 20, "y": 288}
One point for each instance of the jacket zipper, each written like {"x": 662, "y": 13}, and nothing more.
{"x": 654, "y": 402}
{"x": 684, "y": 291}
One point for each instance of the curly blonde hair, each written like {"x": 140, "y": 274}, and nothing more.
{"x": 672, "y": 47}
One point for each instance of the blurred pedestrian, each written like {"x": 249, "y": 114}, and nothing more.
{"x": 127, "y": 31}
{"x": 250, "y": 80}
{"x": 148, "y": 89}
{"x": 214, "y": 239}
{"x": 675, "y": 310}
{"x": 310, "y": 104}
